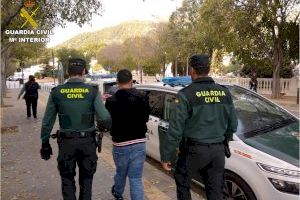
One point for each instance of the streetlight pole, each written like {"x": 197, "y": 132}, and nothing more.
{"x": 22, "y": 68}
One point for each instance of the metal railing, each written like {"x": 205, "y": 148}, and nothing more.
{"x": 16, "y": 85}
{"x": 288, "y": 86}
{"x": 264, "y": 86}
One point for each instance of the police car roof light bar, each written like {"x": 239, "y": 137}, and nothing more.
{"x": 177, "y": 81}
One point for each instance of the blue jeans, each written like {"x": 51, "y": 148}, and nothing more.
{"x": 129, "y": 161}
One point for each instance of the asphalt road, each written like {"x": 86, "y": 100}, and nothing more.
{"x": 26, "y": 176}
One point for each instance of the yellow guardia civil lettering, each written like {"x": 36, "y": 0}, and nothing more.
{"x": 74, "y": 90}
{"x": 75, "y": 96}
{"x": 211, "y": 96}
{"x": 212, "y": 100}
{"x": 74, "y": 93}
{"x": 209, "y": 93}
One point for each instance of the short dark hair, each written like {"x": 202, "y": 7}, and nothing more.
{"x": 31, "y": 78}
{"x": 76, "y": 66}
{"x": 124, "y": 76}
{"x": 200, "y": 63}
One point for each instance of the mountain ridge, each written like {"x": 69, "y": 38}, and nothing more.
{"x": 114, "y": 34}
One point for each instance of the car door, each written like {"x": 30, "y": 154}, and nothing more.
{"x": 163, "y": 125}
{"x": 156, "y": 101}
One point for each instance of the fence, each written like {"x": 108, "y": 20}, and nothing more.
{"x": 288, "y": 86}
{"x": 16, "y": 85}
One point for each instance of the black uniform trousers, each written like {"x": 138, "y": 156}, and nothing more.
{"x": 206, "y": 160}
{"x": 83, "y": 152}
{"x": 31, "y": 102}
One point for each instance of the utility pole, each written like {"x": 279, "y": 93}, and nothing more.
{"x": 53, "y": 71}
{"x": 176, "y": 66}
{"x": 164, "y": 67}
{"x": 187, "y": 65}
{"x": 176, "y": 62}
{"x": 21, "y": 69}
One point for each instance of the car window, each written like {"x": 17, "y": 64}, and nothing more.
{"x": 110, "y": 88}
{"x": 169, "y": 105}
{"x": 253, "y": 111}
{"x": 156, "y": 102}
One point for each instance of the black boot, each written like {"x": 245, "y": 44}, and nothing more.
{"x": 117, "y": 197}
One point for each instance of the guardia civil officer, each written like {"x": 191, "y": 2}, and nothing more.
{"x": 76, "y": 104}
{"x": 203, "y": 117}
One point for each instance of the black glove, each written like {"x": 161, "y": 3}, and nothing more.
{"x": 46, "y": 151}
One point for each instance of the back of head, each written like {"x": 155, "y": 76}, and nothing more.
{"x": 124, "y": 76}
{"x": 76, "y": 67}
{"x": 200, "y": 63}
{"x": 31, "y": 78}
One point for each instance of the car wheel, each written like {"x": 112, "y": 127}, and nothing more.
{"x": 236, "y": 188}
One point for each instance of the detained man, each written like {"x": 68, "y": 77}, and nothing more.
{"x": 129, "y": 110}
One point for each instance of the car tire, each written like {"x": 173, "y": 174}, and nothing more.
{"x": 236, "y": 188}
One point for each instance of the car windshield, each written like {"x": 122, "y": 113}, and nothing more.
{"x": 255, "y": 114}
{"x": 282, "y": 143}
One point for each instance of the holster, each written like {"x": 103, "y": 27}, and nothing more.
{"x": 56, "y": 136}
{"x": 183, "y": 145}
{"x": 99, "y": 136}
{"x": 226, "y": 148}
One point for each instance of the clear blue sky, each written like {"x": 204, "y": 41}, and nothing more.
{"x": 116, "y": 12}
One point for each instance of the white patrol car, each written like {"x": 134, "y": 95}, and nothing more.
{"x": 264, "y": 164}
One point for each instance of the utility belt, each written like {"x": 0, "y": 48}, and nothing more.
{"x": 73, "y": 134}
{"x": 98, "y": 135}
{"x": 196, "y": 142}
{"x": 185, "y": 142}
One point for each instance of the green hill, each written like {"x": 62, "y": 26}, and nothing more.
{"x": 109, "y": 35}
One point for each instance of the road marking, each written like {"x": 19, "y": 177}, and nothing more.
{"x": 150, "y": 191}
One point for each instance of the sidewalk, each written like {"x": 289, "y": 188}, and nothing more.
{"x": 26, "y": 176}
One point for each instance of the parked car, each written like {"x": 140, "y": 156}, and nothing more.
{"x": 265, "y": 149}
{"x": 13, "y": 78}
{"x": 109, "y": 85}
